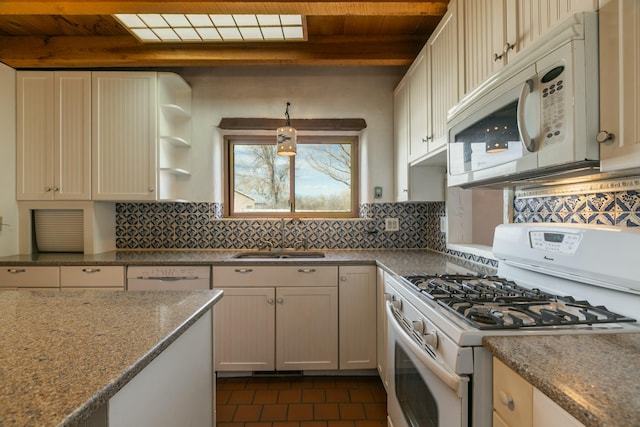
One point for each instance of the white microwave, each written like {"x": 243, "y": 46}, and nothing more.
{"x": 534, "y": 121}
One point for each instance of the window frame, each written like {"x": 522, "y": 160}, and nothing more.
{"x": 302, "y": 139}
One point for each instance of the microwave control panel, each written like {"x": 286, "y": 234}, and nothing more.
{"x": 553, "y": 90}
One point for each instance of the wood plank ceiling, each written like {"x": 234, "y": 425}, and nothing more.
{"x": 84, "y": 34}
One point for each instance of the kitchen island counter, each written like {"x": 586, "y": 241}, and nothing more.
{"x": 595, "y": 378}
{"x": 64, "y": 354}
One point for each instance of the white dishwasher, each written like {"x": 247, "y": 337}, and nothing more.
{"x": 168, "y": 278}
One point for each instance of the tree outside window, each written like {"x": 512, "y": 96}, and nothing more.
{"x": 318, "y": 181}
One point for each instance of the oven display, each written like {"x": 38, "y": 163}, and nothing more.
{"x": 554, "y": 242}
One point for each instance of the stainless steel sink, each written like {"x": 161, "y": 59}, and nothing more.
{"x": 279, "y": 254}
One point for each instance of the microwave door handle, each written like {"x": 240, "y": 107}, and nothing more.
{"x": 528, "y": 143}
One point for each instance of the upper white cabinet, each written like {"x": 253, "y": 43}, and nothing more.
{"x": 53, "y": 135}
{"x": 419, "y": 129}
{"x": 141, "y": 128}
{"x": 444, "y": 81}
{"x": 496, "y": 32}
{"x": 619, "y": 84}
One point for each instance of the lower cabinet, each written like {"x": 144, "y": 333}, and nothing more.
{"x": 92, "y": 277}
{"x": 516, "y": 403}
{"x": 276, "y": 318}
{"x": 12, "y": 277}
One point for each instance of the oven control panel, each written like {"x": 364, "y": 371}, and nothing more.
{"x": 555, "y": 242}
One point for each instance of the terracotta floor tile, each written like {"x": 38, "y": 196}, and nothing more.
{"x": 258, "y": 424}
{"x": 371, "y": 423}
{"x": 274, "y": 413}
{"x": 241, "y": 397}
{"x": 351, "y": 411}
{"x": 300, "y": 412}
{"x": 229, "y": 424}
{"x": 326, "y": 411}
{"x": 337, "y": 395}
{"x": 246, "y": 413}
{"x": 286, "y": 424}
{"x": 222, "y": 396}
{"x": 225, "y": 413}
{"x": 360, "y": 395}
{"x": 290, "y": 396}
{"x": 264, "y": 397}
{"x": 375, "y": 411}
{"x": 313, "y": 424}
{"x": 233, "y": 383}
{"x": 340, "y": 424}
{"x": 313, "y": 395}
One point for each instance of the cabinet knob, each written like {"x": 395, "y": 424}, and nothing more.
{"x": 56, "y": 189}
{"x": 497, "y": 57}
{"x": 604, "y": 137}
{"x": 343, "y": 278}
{"x": 150, "y": 190}
{"x": 47, "y": 189}
{"x": 270, "y": 301}
{"x": 280, "y": 301}
{"x": 506, "y": 400}
{"x": 509, "y": 46}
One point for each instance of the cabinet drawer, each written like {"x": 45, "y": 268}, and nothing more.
{"x": 29, "y": 277}
{"x": 88, "y": 276}
{"x": 251, "y": 275}
{"x": 512, "y": 396}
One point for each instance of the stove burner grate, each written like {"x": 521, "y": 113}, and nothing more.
{"x": 492, "y": 302}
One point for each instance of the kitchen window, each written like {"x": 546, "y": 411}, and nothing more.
{"x": 319, "y": 181}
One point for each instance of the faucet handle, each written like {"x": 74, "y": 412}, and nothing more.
{"x": 264, "y": 244}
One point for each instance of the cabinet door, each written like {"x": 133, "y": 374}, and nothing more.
{"x": 419, "y": 120}
{"x": 619, "y": 84}
{"x": 34, "y": 148}
{"x": 357, "y": 296}
{"x": 381, "y": 328}
{"x": 401, "y": 141}
{"x": 485, "y": 31}
{"x": 72, "y": 135}
{"x": 245, "y": 330}
{"x": 306, "y": 328}
{"x": 124, "y": 136}
{"x": 512, "y": 396}
{"x": 547, "y": 413}
{"x": 92, "y": 276}
{"x": 444, "y": 81}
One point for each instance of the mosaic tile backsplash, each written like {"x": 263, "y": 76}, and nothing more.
{"x": 618, "y": 208}
{"x": 201, "y": 226}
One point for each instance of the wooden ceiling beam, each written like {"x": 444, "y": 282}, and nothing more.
{"x": 124, "y": 51}
{"x": 327, "y": 8}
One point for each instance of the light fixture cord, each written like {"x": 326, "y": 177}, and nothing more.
{"x": 286, "y": 114}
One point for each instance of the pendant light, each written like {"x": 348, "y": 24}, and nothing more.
{"x": 287, "y": 135}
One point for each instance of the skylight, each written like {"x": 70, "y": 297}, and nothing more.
{"x": 172, "y": 28}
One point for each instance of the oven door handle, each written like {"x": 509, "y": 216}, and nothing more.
{"x": 451, "y": 379}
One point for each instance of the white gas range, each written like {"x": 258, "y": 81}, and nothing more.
{"x": 552, "y": 279}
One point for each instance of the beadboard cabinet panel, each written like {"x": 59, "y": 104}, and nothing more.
{"x": 124, "y": 136}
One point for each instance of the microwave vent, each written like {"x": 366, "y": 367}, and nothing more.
{"x": 59, "y": 230}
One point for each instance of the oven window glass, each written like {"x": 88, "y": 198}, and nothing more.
{"x": 416, "y": 400}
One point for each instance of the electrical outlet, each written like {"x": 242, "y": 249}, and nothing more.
{"x": 391, "y": 224}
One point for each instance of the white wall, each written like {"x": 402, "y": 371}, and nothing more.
{"x": 8, "y": 205}
{"x": 314, "y": 92}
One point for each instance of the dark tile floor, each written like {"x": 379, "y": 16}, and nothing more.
{"x": 301, "y": 401}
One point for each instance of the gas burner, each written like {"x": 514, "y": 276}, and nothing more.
{"x": 491, "y": 302}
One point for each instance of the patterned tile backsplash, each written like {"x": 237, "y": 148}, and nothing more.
{"x": 618, "y": 208}
{"x": 201, "y": 226}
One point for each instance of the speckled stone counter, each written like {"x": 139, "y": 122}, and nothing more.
{"x": 65, "y": 353}
{"x": 399, "y": 261}
{"x": 596, "y": 378}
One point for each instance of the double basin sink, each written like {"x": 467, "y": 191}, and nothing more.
{"x": 278, "y": 254}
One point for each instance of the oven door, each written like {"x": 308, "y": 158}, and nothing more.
{"x": 423, "y": 391}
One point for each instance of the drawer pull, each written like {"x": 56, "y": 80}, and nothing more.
{"x": 306, "y": 270}
{"x": 243, "y": 270}
{"x": 91, "y": 270}
{"x": 16, "y": 270}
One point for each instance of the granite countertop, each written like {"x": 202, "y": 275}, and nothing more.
{"x": 596, "y": 378}
{"x": 399, "y": 261}
{"x": 64, "y": 354}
